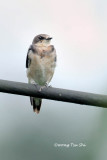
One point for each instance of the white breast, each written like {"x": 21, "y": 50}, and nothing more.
{"x": 41, "y": 70}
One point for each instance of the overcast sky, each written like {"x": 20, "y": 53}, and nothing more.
{"x": 79, "y": 34}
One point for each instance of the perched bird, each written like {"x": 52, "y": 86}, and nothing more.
{"x": 40, "y": 64}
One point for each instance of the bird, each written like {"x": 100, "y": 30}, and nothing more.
{"x": 40, "y": 64}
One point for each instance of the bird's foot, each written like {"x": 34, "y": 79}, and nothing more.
{"x": 35, "y": 84}
{"x": 42, "y": 87}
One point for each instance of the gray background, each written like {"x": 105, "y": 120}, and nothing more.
{"x": 79, "y": 31}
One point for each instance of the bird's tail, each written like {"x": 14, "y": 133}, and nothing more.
{"x": 36, "y": 103}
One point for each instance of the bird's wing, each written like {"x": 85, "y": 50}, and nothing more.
{"x": 53, "y": 50}
{"x": 28, "y": 60}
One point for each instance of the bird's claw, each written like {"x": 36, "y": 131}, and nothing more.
{"x": 35, "y": 85}
{"x": 42, "y": 87}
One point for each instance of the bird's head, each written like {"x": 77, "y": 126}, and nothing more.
{"x": 42, "y": 40}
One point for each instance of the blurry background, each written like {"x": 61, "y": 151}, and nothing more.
{"x": 79, "y": 31}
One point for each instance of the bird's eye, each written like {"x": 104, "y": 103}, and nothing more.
{"x": 41, "y": 38}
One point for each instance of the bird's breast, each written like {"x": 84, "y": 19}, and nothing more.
{"x": 42, "y": 67}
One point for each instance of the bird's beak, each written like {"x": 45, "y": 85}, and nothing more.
{"x": 49, "y": 38}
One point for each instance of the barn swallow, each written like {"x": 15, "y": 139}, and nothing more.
{"x": 40, "y": 64}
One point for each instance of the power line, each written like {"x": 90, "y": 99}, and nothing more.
{"x": 51, "y": 93}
